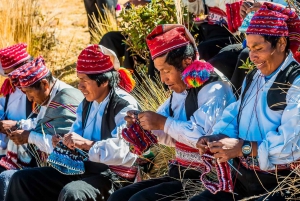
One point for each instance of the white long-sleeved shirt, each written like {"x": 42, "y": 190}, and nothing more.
{"x": 16, "y": 110}
{"x": 277, "y": 132}
{"x": 112, "y": 151}
{"x": 212, "y": 100}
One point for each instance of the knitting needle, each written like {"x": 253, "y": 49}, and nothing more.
{"x": 234, "y": 168}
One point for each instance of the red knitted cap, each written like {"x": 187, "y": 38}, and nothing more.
{"x": 13, "y": 55}
{"x": 97, "y": 59}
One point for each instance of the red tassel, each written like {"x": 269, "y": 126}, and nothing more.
{"x": 7, "y": 88}
{"x": 126, "y": 80}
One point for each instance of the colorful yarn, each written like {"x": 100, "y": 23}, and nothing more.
{"x": 126, "y": 80}
{"x": 223, "y": 171}
{"x": 139, "y": 139}
{"x": 197, "y": 73}
{"x": 67, "y": 161}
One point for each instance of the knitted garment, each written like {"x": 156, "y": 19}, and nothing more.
{"x": 224, "y": 180}
{"x": 243, "y": 28}
{"x": 139, "y": 139}
{"x": 234, "y": 19}
{"x": 7, "y": 88}
{"x": 67, "y": 161}
{"x": 13, "y": 55}
{"x": 16, "y": 157}
{"x": 29, "y": 73}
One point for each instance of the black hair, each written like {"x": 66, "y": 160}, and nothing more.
{"x": 274, "y": 40}
{"x": 176, "y": 56}
{"x": 48, "y": 77}
{"x": 111, "y": 76}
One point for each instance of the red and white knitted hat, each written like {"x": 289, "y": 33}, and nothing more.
{"x": 97, "y": 59}
{"x": 167, "y": 37}
{"x": 30, "y": 73}
{"x": 13, "y": 55}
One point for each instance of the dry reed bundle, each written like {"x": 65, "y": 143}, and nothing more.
{"x": 105, "y": 23}
{"x": 150, "y": 94}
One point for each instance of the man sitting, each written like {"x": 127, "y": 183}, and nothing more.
{"x": 100, "y": 118}
{"x": 57, "y": 104}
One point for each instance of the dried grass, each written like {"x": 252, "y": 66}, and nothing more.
{"x": 105, "y": 23}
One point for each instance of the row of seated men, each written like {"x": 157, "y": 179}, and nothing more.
{"x": 91, "y": 136}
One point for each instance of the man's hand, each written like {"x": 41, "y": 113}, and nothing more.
{"x": 19, "y": 137}
{"x": 226, "y": 149}
{"x": 202, "y": 143}
{"x": 248, "y": 7}
{"x": 152, "y": 121}
{"x": 55, "y": 140}
{"x": 131, "y": 117}
{"x": 7, "y": 126}
{"x": 73, "y": 140}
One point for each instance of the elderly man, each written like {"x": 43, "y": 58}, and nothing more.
{"x": 188, "y": 114}
{"x": 100, "y": 117}
{"x": 56, "y": 102}
{"x": 260, "y": 131}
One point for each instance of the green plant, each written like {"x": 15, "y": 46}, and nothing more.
{"x": 139, "y": 21}
{"x": 248, "y": 65}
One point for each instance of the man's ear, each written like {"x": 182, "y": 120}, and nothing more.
{"x": 105, "y": 84}
{"x": 45, "y": 83}
{"x": 281, "y": 44}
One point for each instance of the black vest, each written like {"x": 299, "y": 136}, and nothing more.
{"x": 191, "y": 101}
{"x": 29, "y": 107}
{"x": 112, "y": 108}
{"x": 276, "y": 97}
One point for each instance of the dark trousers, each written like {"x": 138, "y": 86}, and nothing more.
{"x": 164, "y": 189}
{"x": 48, "y": 184}
{"x": 90, "y": 7}
{"x": 247, "y": 185}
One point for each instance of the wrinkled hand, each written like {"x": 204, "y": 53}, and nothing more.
{"x": 73, "y": 140}
{"x": 248, "y": 7}
{"x": 7, "y": 126}
{"x": 152, "y": 121}
{"x": 55, "y": 139}
{"x": 202, "y": 143}
{"x": 19, "y": 137}
{"x": 226, "y": 149}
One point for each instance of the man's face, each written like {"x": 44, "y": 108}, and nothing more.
{"x": 169, "y": 75}
{"x": 90, "y": 89}
{"x": 40, "y": 95}
{"x": 265, "y": 57}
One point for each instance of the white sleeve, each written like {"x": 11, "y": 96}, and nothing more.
{"x": 281, "y": 146}
{"x": 43, "y": 142}
{"x": 164, "y": 138}
{"x": 28, "y": 124}
{"x": 114, "y": 151}
{"x": 212, "y": 100}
